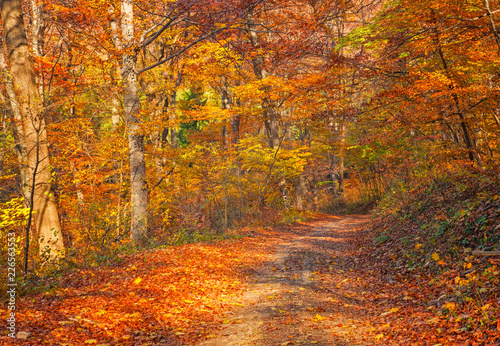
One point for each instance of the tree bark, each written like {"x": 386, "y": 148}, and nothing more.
{"x": 234, "y": 120}
{"x": 461, "y": 114}
{"x": 131, "y": 102}
{"x": 341, "y": 157}
{"x": 493, "y": 24}
{"x": 50, "y": 238}
{"x": 115, "y": 37}
{"x": 271, "y": 123}
{"x": 37, "y": 39}
{"x": 171, "y": 107}
{"x": 18, "y": 130}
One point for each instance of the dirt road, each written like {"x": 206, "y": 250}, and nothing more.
{"x": 308, "y": 293}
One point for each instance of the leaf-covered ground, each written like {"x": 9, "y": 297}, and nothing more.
{"x": 171, "y": 296}
{"x": 321, "y": 282}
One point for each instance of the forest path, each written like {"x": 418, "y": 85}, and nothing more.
{"x": 309, "y": 293}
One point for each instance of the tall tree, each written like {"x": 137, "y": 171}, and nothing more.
{"x": 138, "y": 186}
{"x": 42, "y": 199}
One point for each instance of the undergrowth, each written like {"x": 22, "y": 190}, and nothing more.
{"x": 435, "y": 229}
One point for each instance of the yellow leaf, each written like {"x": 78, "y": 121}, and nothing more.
{"x": 91, "y": 341}
{"x": 449, "y": 306}
{"x": 137, "y": 281}
{"x": 435, "y": 256}
{"x": 418, "y": 246}
{"x": 379, "y": 336}
{"x": 318, "y": 318}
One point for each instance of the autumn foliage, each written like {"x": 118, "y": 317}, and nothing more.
{"x": 174, "y": 122}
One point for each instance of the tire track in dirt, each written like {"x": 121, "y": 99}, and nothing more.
{"x": 297, "y": 299}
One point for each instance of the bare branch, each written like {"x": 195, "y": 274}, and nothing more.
{"x": 182, "y": 50}
{"x": 147, "y": 40}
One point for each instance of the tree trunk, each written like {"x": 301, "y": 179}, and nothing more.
{"x": 300, "y": 191}
{"x": 341, "y": 157}
{"x": 44, "y": 205}
{"x": 173, "y": 96}
{"x": 18, "y": 130}
{"x": 37, "y": 39}
{"x": 138, "y": 186}
{"x": 271, "y": 123}
{"x": 459, "y": 111}
{"x": 493, "y": 24}
{"x": 115, "y": 100}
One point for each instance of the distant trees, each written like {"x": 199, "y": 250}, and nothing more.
{"x": 185, "y": 115}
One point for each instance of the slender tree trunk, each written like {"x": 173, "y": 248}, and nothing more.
{"x": 115, "y": 112}
{"x": 234, "y": 120}
{"x": 235, "y": 128}
{"x": 172, "y": 103}
{"x": 225, "y": 104}
{"x": 138, "y": 186}
{"x": 467, "y": 139}
{"x": 44, "y": 205}
{"x": 115, "y": 37}
{"x": 300, "y": 190}
{"x": 341, "y": 157}
{"x": 493, "y": 24}
{"x": 271, "y": 122}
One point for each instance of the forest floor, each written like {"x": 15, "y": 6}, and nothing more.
{"x": 314, "y": 283}
{"x": 309, "y": 293}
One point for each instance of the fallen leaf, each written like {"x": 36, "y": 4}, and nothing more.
{"x": 64, "y": 323}
{"x": 449, "y": 306}
{"x": 433, "y": 320}
{"x": 23, "y": 335}
{"x": 318, "y": 318}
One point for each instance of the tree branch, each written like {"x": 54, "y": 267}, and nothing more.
{"x": 182, "y": 50}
